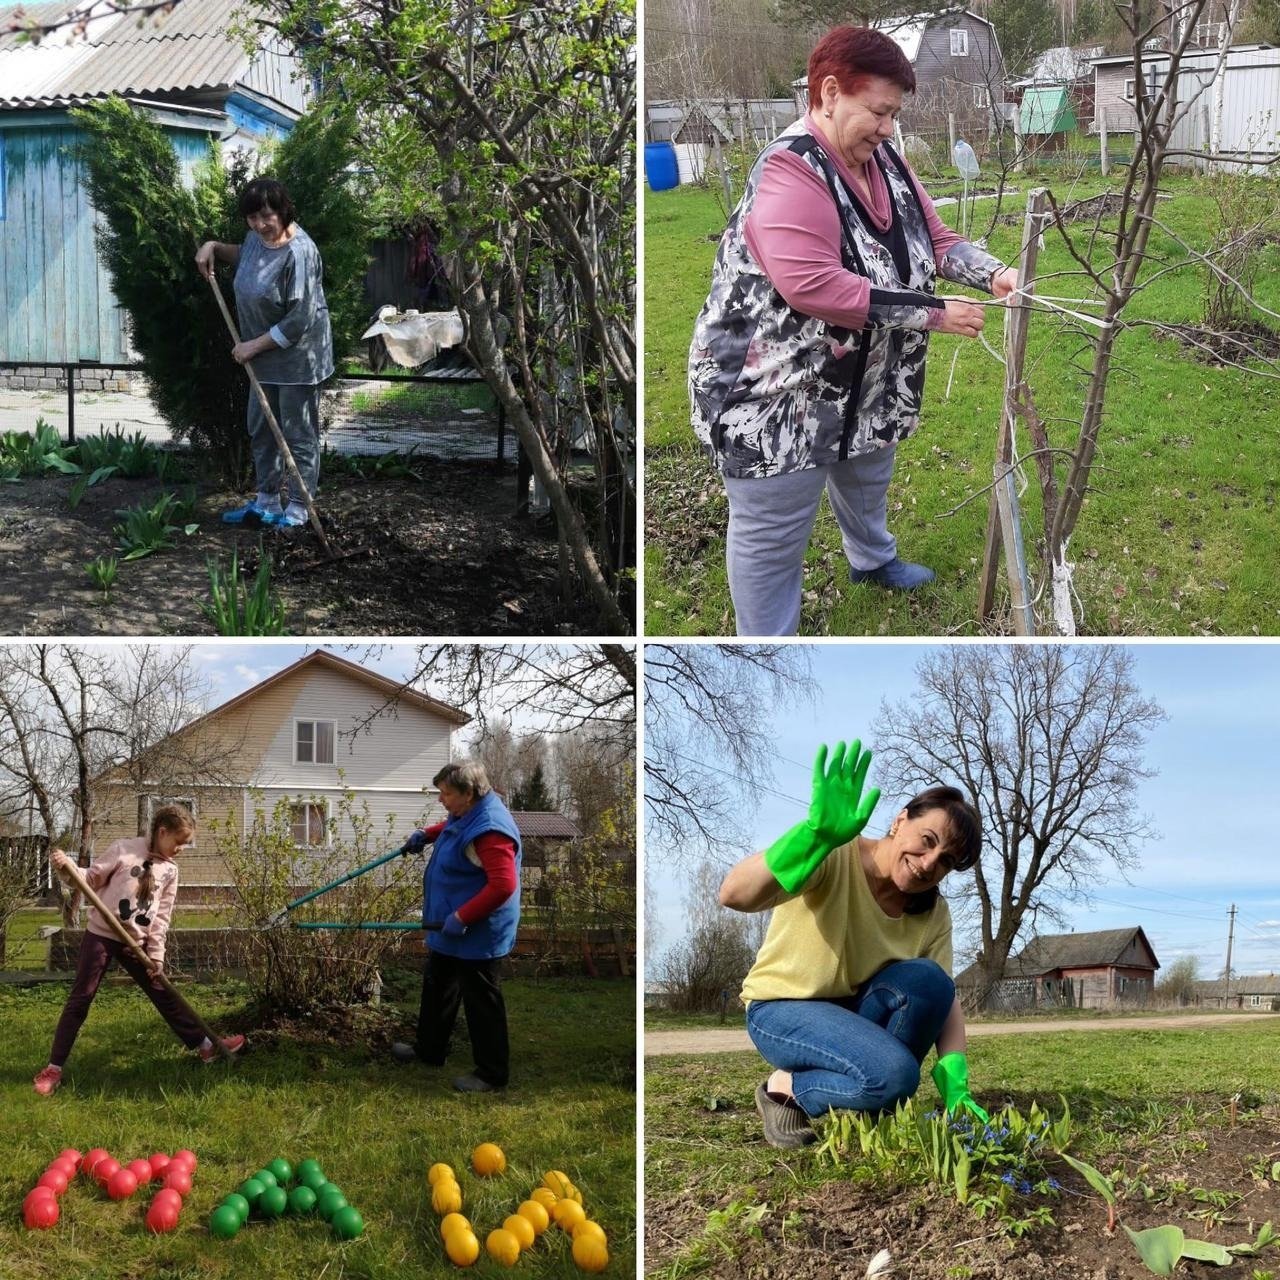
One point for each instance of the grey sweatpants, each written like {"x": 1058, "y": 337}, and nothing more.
{"x": 297, "y": 410}
{"x": 770, "y": 519}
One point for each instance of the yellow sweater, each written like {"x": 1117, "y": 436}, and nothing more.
{"x": 827, "y": 941}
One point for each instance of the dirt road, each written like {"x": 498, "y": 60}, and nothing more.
{"x": 735, "y": 1039}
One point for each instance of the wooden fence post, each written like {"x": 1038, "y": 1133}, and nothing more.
{"x": 1016, "y": 324}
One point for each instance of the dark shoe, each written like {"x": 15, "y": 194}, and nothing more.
{"x": 473, "y": 1084}
{"x": 404, "y": 1052}
{"x": 897, "y": 575}
{"x": 785, "y": 1123}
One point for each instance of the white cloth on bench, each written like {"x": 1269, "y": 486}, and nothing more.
{"x": 414, "y": 337}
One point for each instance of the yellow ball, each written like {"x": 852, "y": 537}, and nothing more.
{"x": 503, "y": 1247}
{"x": 568, "y": 1213}
{"x": 545, "y": 1197}
{"x": 446, "y": 1197}
{"x": 452, "y": 1222}
{"x": 539, "y": 1218}
{"x": 462, "y": 1247}
{"x": 590, "y": 1253}
{"x": 521, "y": 1228}
{"x": 487, "y": 1159}
{"x": 557, "y": 1182}
{"x": 589, "y": 1228}
{"x": 438, "y": 1171}
{"x": 573, "y": 1194}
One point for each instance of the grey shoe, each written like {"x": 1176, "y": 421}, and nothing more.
{"x": 785, "y": 1123}
{"x": 404, "y": 1052}
{"x": 473, "y": 1084}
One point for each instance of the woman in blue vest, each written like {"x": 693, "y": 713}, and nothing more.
{"x": 807, "y": 363}
{"x": 471, "y": 896}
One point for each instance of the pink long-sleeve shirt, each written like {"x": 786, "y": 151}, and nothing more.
{"x": 793, "y": 232}
{"x": 112, "y": 877}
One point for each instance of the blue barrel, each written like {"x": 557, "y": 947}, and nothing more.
{"x": 660, "y": 166}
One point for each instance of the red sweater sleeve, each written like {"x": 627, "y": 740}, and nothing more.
{"x": 497, "y": 854}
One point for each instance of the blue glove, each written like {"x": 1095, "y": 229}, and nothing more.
{"x": 453, "y": 927}
{"x": 415, "y": 843}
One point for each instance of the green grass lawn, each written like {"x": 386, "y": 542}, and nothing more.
{"x": 1153, "y": 1105}
{"x": 1176, "y": 536}
{"x": 375, "y": 1126}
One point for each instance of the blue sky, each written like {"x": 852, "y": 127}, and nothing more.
{"x": 1217, "y": 762}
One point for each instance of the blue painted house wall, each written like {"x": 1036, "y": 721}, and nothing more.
{"x": 56, "y": 304}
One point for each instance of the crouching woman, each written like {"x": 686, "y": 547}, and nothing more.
{"x": 851, "y": 988}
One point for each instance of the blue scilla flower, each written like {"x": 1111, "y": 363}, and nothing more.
{"x": 1009, "y": 1178}
{"x": 1054, "y": 1184}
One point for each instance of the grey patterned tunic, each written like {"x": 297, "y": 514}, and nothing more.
{"x": 774, "y": 390}
{"x": 281, "y": 291}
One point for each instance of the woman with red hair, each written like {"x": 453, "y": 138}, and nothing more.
{"x": 807, "y": 362}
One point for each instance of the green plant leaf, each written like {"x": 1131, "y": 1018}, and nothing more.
{"x": 1205, "y": 1251}
{"x": 1098, "y": 1181}
{"x": 1160, "y": 1247}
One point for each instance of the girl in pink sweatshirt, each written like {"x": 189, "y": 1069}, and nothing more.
{"x": 139, "y": 876}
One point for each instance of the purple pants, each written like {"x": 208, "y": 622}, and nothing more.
{"x": 96, "y": 955}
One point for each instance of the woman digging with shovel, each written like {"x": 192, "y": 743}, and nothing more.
{"x": 141, "y": 876}
{"x": 851, "y": 988}
{"x": 285, "y": 332}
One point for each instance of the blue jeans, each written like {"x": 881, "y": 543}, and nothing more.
{"x": 862, "y": 1052}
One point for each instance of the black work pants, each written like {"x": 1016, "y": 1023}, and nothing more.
{"x": 448, "y": 981}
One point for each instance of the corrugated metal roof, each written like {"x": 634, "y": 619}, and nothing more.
{"x": 548, "y": 826}
{"x": 187, "y": 48}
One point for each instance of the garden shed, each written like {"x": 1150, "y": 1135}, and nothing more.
{"x": 1046, "y": 113}
{"x": 181, "y": 66}
{"x": 1095, "y": 970}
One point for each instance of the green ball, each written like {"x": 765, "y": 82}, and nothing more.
{"x": 283, "y": 1171}
{"x": 267, "y": 1178}
{"x": 313, "y": 1178}
{"x": 329, "y": 1203}
{"x": 348, "y": 1224}
{"x": 224, "y": 1221}
{"x": 307, "y": 1166}
{"x": 302, "y": 1200}
{"x": 251, "y": 1189}
{"x": 239, "y": 1204}
{"x": 272, "y": 1202}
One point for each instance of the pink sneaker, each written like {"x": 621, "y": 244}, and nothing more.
{"x": 232, "y": 1044}
{"x": 47, "y": 1080}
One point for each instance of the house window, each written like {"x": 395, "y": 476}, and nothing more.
{"x": 151, "y": 803}
{"x": 310, "y": 823}
{"x": 313, "y": 741}
{"x": 1128, "y": 90}
{"x": 959, "y": 42}
{"x": 1255, "y": 1001}
{"x": 981, "y": 95}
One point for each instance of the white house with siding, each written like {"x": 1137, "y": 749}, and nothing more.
{"x": 305, "y": 736}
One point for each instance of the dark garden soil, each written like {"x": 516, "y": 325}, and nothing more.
{"x": 836, "y": 1229}
{"x": 445, "y": 556}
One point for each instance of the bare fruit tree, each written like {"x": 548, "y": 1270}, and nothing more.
{"x": 1047, "y": 741}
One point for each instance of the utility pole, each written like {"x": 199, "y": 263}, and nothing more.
{"x": 1226, "y": 973}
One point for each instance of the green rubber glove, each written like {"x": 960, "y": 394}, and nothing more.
{"x": 837, "y": 812}
{"x": 951, "y": 1075}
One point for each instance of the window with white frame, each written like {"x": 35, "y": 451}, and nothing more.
{"x": 313, "y": 741}
{"x": 981, "y": 95}
{"x": 310, "y": 822}
{"x": 1128, "y": 90}
{"x": 1255, "y": 1001}
{"x": 151, "y": 803}
{"x": 959, "y": 42}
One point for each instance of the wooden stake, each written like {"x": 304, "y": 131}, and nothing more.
{"x": 1016, "y": 324}
{"x": 281, "y": 443}
{"x": 72, "y": 872}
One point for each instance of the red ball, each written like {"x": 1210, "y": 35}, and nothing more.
{"x": 54, "y": 1179}
{"x": 90, "y": 1162}
{"x": 178, "y": 1179}
{"x": 66, "y": 1164}
{"x": 104, "y": 1169}
{"x": 38, "y": 1193}
{"x": 141, "y": 1169}
{"x": 70, "y": 1153}
{"x": 167, "y": 1195}
{"x": 158, "y": 1163}
{"x": 186, "y": 1157}
{"x": 161, "y": 1218}
{"x": 40, "y": 1214}
{"x": 122, "y": 1184}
